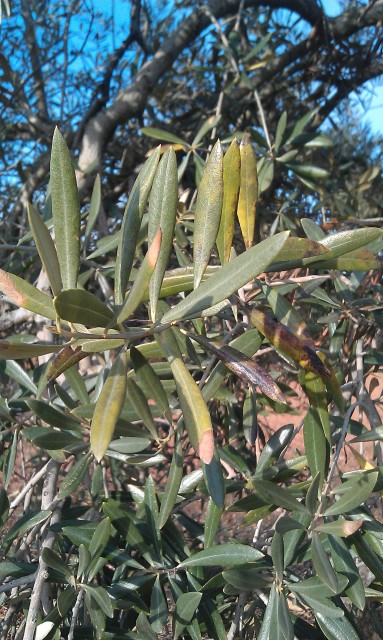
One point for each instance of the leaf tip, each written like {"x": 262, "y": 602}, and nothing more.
{"x": 206, "y": 446}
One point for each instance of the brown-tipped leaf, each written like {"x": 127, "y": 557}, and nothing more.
{"x": 26, "y": 296}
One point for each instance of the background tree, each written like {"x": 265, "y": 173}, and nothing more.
{"x": 102, "y": 78}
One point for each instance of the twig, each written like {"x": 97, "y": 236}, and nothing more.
{"x": 237, "y": 616}
{"x": 31, "y": 483}
{"x": 263, "y": 120}
{"x": 48, "y": 494}
{"x": 346, "y": 420}
{"x": 18, "y": 582}
{"x": 76, "y": 609}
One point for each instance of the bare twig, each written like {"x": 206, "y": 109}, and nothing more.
{"x": 76, "y": 609}
{"x": 237, "y": 616}
{"x": 49, "y": 491}
{"x": 263, "y": 120}
{"x": 18, "y": 582}
{"x": 31, "y": 483}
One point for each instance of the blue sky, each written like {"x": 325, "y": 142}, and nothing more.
{"x": 372, "y": 96}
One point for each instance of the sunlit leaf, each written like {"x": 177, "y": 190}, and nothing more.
{"x": 26, "y": 295}
{"x": 231, "y": 181}
{"x": 228, "y": 279}
{"x": 131, "y": 224}
{"x": 108, "y": 407}
{"x": 248, "y": 193}
{"x": 45, "y": 247}
{"x": 162, "y": 215}
{"x": 207, "y": 212}
{"x": 65, "y": 211}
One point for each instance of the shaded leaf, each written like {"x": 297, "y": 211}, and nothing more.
{"x": 45, "y": 247}
{"x": 186, "y": 606}
{"x": 77, "y": 305}
{"x": 322, "y": 564}
{"x": 173, "y": 482}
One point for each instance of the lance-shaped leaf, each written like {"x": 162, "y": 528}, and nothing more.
{"x": 322, "y": 564}
{"x": 286, "y": 312}
{"x": 142, "y": 279}
{"x": 45, "y": 247}
{"x": 26, "y": 295}
{"x": 162, "y": 215}
{"x": 224, "y": 555}
{"x": 244, "y": 367}
{"x": 186, "y": 606}
{"x": 287, "y": 342}
{"x": 207, "y": 212}
{"x": 173, "y": 482}
{"x": 10, "y": 351}
{"x": 65, "y": 211}
{"x": 131, "y": 223}
{"x": 248, "y": 193}
{"x": 65, "y": 359}
{"x": 108, "y": 407}
{"x": 345, "y": 242}
{"x": 274, "y": 494}
{"x": 359, "y": 260}
{"x": 298, "y": 252}
{"x": 231, "y": 277}
{"x": 53, "y": 416}
{"x": 231, "y": 181}
{"x": 195, "y": 412}
{"x": 357, "y": 494}
{"x": 141, "y": 406}
{"x": 77, "y": 305}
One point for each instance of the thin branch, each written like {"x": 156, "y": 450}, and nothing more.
{"x": 76, "y": 610}
{"x": 18, "y": 582}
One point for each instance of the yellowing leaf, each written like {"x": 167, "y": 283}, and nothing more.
{"x": 231, "y": 182}
{"x": 248, "y": 192}
{"x": 108, "y": 407}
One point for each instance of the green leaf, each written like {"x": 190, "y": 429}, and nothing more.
{"x": 316, "y": 446}
{"x": 312, "y": 496}
{"x": 274, "y": 494}
{"x": 248, "y": 578}
{"x": 162, "y": 215}
{"x": 224, "y": 555}
{"x": 207, "y": 212}
{"x": 213, "y": 475}
{"x": 51, "y": 440}
{"x": 322, "y": 564}
{"x": 152, "y": 514}
{"x": 97, "y": 617}
{"x": 355, "y": 496}
{"x": 277, "y": 554}
{"x": 45, "y": 247}
{"x": 231, "y": 181}
{"x": 158, "y": 607}
{"x": 344, "y": 564}
{"x": 141, "y": 281}
{"x": 77, "y": 305}
{"x": 13, "y": 370}
{"x": 4, "y": 506}
{"x": 248, "y": 192}
{"x": 102, "y": 598}
{"x": 25, "y": 523}
{"x": 186, "y": 606}
{"x": 228, "y": 279}
{"x": 312, "y": 230}
{"x": 130, "y": 444}
{"x": 308, "y": 170}
{"x": 346, "y": 241}
{"x": 53, "y": 416}
{"x": 65, "y": 211}
{"x": 53, "y": 560}
{"x": 281, "y": 128}
{"x": 131, "y": 224}
{"x": 108, "y": 407}
{"x": 9, "y": 460}
{"x": 66, "y": 600}
{"x": 270, "y": 629}
{"x": 159, "y": 134}
{"x": 194, "y": 409}
{"x": 150, "y": 382}
{"x": 212, "y": 520}
{"x": 359, "y": 260}
{"x": 9, "y": 351}
{"x": 26, "y": 296}
{"x": 336, "y": 629}
{"x": 141, "y": 406}
{"x": 274, "y": 447}
{"x": 173, "y": 482}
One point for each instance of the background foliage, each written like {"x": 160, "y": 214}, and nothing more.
{"x": 137, "y": 292}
